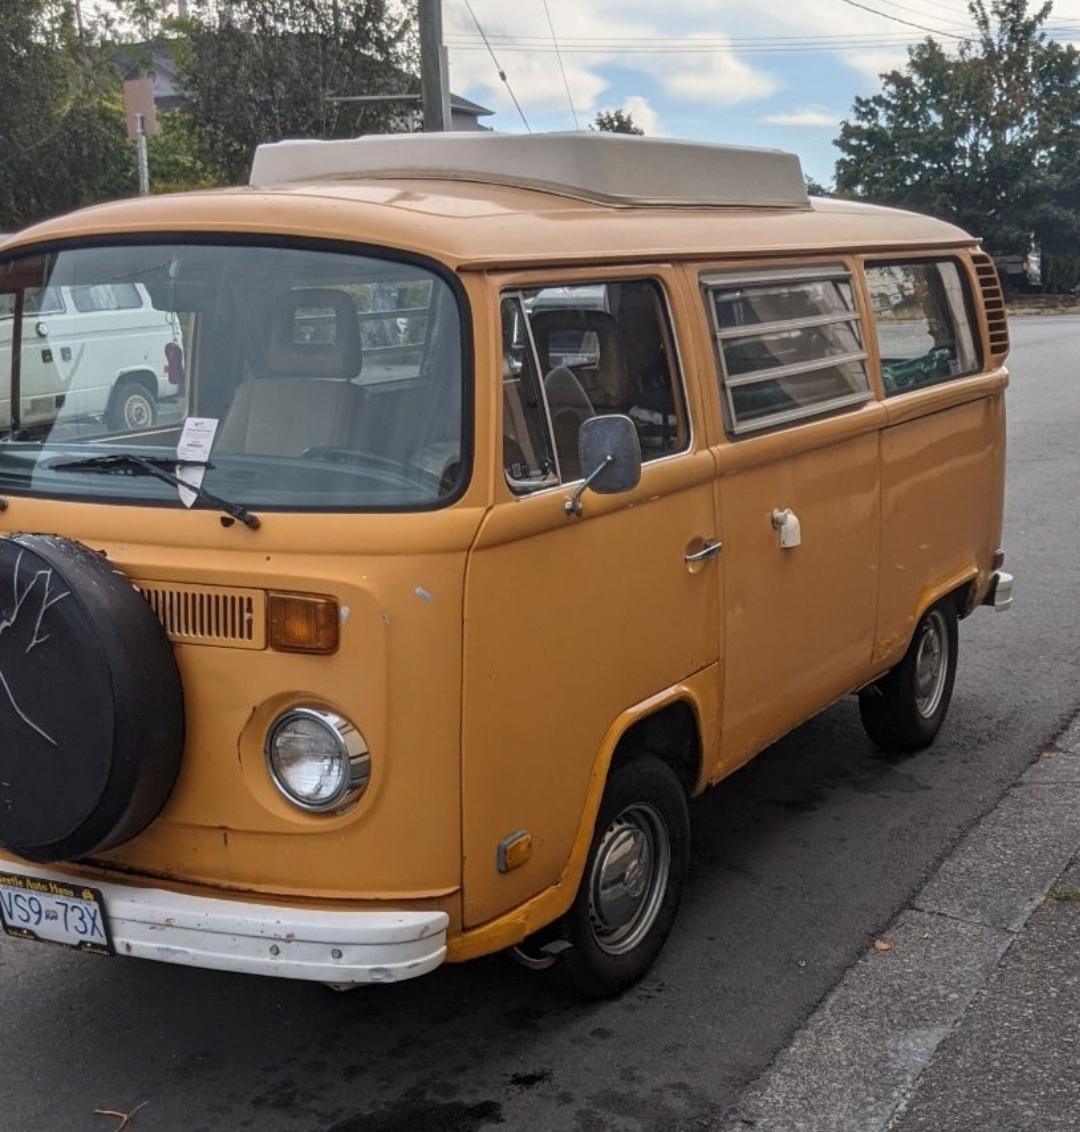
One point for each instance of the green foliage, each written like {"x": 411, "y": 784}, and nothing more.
{"x": 262, "y": 70}
{"x": 987, "y": 136}
{"x": 254, "y": 71}
{"x": 62, "y": 138}
{"x": 616, "y": 122}
{"x": 175, "y": 164}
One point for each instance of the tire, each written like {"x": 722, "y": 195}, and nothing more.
{"x": 905, "y": 709}
{"x": 91, "y": 704}
{"x": 132, "y": 408}
{"x": 615, "y": 939}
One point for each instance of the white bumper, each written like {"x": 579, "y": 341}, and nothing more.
{"x": 339, "y": 947}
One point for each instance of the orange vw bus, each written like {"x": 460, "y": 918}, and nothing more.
{"x": 514, "y": 491}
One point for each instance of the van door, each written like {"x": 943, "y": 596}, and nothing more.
{"x": 797, "y": 448}
{"x": 571, "y": 620}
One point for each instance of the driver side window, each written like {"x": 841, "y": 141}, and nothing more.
{"x": 925, "y": 326}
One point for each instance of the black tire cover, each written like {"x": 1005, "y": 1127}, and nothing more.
{"x": 91, "y": 704}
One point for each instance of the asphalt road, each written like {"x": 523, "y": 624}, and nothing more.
{"x": 799, "y": 860}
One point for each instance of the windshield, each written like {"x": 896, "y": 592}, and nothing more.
{"x": 312, "y": 379}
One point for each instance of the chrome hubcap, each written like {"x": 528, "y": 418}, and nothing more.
{"x": 629, "y": 878}
{"x": 931, "y": 664}
{"x": 137, "y": 411}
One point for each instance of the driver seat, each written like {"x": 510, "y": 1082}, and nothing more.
{"x": 305, "y": 396}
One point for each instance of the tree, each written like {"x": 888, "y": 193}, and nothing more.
{"x": 263, "y": 70}
{"x": 987, "y": 136}
{"x": 62, "y": 137}
{"x": 616, "y": 122}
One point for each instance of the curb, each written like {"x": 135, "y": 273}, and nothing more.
{"x": 853, "y": 1065}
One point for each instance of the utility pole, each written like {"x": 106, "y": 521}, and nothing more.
{"x": 434, "y": 68}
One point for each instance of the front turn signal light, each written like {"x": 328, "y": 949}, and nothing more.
{"x": 303, "y": 623}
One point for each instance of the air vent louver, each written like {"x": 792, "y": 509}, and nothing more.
{"x": 994, "y": 302}
{"x": 208, "y": 615}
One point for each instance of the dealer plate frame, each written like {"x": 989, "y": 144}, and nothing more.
{"x": 58, "y": 890}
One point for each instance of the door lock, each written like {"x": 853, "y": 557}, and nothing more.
{"x": 787, "y": 524}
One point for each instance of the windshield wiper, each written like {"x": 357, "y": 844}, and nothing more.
{"x": 127, "y": 462}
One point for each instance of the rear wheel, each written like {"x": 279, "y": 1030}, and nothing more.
{"x": 633, "y": 880}
{"x": 133, "y": 407}
{"x": 905, "y": 709}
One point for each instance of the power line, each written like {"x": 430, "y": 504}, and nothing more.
{"x": 558, "y": 55}
{"x": 502, "y": 73}
{"x": 923, "y": 14}
{"x": 706, "y": 43}
{"x": 907, "y": 23}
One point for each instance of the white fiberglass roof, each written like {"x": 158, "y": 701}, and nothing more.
{"x": 616, "y": 169}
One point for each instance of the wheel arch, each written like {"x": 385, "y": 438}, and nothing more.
{"x": 637, "y": 728}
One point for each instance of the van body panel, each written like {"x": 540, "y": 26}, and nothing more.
{"x": 798, "y": 622}
{"x": 701, "y": 692}
{"x": 502, "y": 227}
{"x": 398, "y": 580}
{"x": 539, "y": 693}
{"x": 942, "y": 500}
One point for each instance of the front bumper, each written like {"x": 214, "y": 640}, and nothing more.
{"x": 345, "y": 948}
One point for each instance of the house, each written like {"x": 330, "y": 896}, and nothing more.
{"x": 156, "y": 62}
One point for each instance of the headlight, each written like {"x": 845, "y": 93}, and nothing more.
{"x": 317, "y": 758}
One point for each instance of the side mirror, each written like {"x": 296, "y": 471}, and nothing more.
{"x": 610, "y": 456}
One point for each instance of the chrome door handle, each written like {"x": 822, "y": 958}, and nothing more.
{"x": 710, "y": 548}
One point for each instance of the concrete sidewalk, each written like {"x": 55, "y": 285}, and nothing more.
{"x": 963, "y": 1016}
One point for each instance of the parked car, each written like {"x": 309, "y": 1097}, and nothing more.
{"x": 96, "y": 351}
{"x": 445, "y": 622}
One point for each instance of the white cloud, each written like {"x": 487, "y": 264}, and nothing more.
{"x": 807, "y": 116}
{"x": 638, "y": 107}
{"x": 643, "y": 114}
{"x": 595, "y": 36}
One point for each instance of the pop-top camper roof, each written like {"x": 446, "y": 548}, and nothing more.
{"x": 614, "y": 169}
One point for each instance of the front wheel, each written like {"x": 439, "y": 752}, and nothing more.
{"x": 905, "y": 709}
{"x": 133, "y": 407}
{"x": 633, "y": 880}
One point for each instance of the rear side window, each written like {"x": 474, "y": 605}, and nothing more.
{"x": 924, "y": 320}
{"x": 789, "y": 345}
{"x": 575, "y": 352}
{"x": 106, "y": 297}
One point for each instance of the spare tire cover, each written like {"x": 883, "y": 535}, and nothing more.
{"x": 91, "y": 705}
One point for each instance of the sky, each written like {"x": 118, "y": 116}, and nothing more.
{"x": 780, "y": 73}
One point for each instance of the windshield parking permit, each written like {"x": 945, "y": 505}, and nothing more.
{"x": 193, "y": 449}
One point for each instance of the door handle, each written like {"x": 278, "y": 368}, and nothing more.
{"x": 711, "y": 547}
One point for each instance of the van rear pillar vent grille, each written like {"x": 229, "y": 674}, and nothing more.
{"x": 994, "y": 302}
{"x": 208, "y": 615}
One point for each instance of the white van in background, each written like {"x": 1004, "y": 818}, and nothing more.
{"x": 93, "y": 353}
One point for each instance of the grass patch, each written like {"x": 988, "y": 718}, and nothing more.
{"x": 1066, "y": 895}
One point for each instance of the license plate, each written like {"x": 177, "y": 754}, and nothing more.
{"x": 54, "y": 912}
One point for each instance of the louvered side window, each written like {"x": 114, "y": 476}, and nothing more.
{"x": 789, "y": 345}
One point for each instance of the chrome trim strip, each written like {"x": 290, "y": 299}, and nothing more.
{"x": 758, "y": 377}
{"x": 778, "y": 275}
{"x": 781, "y": 326}
{"x": 802, "y": 413}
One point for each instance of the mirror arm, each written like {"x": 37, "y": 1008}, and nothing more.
{"x": 573, "y": 504}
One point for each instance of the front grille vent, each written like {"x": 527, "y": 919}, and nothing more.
{"x": 209, "y": 615}
{"x": 994, "y": 302}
